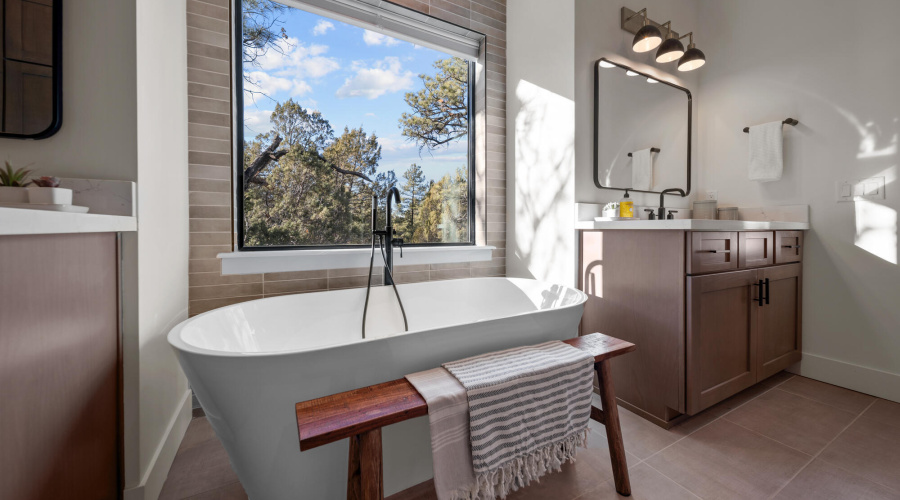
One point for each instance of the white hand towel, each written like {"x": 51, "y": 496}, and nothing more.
{"x": 642, "y": 170}
{"x": 766, "y": 152}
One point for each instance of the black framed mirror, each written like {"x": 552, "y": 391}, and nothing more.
{"x": 31, "y": 70}
{"x": 642, "y": 131}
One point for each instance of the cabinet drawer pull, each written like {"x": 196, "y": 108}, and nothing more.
{"x": 716, "y": 251}
{"x": 767, "y": 291}
{"x": 790, "y": 246}
{"x": 759, "y": 292}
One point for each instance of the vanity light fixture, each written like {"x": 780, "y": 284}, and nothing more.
{"x": 606, "y": 64}
{"x": 648, "y": 37}
{"x": 651, "y": 80}
{"x": 693, "y": 58}
{"x": 671, "y": 49}
{"x": 631, "y": 73}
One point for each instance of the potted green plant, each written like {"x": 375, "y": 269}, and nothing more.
{"x": 46, "y": 191}
{"x": 12, "y": 184}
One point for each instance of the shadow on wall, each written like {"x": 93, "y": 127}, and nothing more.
{"x": 543, "y": 179}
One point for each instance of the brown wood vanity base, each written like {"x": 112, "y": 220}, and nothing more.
{"x": 714, "y": 312}
{"x": 361, "y": 413}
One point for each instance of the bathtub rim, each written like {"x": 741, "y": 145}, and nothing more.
{"x": 179, "y": 344}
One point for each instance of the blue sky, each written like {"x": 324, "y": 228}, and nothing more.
{"x": 355, "y": 77}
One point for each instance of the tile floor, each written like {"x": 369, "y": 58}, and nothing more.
{"x": 788, "y": 437}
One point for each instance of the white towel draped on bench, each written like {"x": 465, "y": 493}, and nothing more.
{"x": 526, "y": 409}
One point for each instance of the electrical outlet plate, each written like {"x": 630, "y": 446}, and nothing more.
{"x": 712, "y": 195}
{"x": 863, "y": 189}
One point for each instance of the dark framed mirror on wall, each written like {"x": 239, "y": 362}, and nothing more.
{"x": 31, "y": 70}
{"x": 642, "y": 130}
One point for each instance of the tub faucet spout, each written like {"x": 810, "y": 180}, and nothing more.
{"x": 386, "y": 243}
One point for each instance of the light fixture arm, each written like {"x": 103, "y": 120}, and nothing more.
{"x": 638, "y": 13}
{"x": 668, "y": 25}
{"x": 690, "y": 36}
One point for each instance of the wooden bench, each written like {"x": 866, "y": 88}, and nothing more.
{"x": 361, "y": 413}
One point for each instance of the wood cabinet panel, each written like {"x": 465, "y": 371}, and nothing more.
{"x": 635, "y": 286}
{"x": 28, "y": 27}
{"x": 780, "y": 319}
{"x": 788, "y": 246}
{"x": 721, "y": 337}
{"x": 711, "y": 252}
{"x": 28, "y": 106}
{"x": 755, "y": 249}
{"x": 59, "y": 367}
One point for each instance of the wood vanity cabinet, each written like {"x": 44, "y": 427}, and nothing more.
{"x": 60, "y": 363}
{"x": 742, "y": 327}
{"x": 712, "y": 313}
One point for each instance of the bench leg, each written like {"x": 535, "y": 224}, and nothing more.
{"x": 613, "y": 430}
{"x": 365, "y": 473}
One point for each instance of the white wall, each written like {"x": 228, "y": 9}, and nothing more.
{"x": 835, "y": 70}
{"x": 162, "y": 240}
{"x": 598, "y": 34}
{"x": 540, "y": 139}
{"x": 97, "y": 139}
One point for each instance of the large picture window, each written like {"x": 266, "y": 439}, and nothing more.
{"x": 329, "y": 114}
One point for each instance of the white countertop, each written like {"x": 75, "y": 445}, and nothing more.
{"x": 695, "y": 225}
{"x": 25, "y": 221}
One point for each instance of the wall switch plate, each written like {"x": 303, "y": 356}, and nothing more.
{"x": 712, "y": 195}
{"x": 864, "y": 189}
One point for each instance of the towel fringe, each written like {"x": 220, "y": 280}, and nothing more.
{"x": 521, "y": 471}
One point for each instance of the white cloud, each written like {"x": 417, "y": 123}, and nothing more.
{"x": 293, "y": 59}
{"x": 260, "y": 82}
{"x": 385, "y": 76}
{"x": 395, "y": 143}
{"x": 322, "y": 27}
{"x": 373, "y": 38}
{"x": 258, "y": 121}
{"x": 371, "y": 114}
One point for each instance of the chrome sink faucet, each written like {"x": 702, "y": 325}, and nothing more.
{"x": 661, "y": 214}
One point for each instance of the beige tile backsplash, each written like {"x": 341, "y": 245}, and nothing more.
{"x": 210, "y": 171}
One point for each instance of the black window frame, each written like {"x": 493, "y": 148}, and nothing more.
{"x": 237, "y": 81}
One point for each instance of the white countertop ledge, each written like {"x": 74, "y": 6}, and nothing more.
{"x": 279, "y": 261}
{"x": 25, "y": 221}
{"x": 695, "y": 225}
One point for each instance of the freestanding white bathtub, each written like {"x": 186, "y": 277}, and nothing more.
{"x": 250, "y": 363}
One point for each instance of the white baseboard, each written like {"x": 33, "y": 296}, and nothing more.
{"x": 153, "y": 480}
{"x": 863, "y": 379}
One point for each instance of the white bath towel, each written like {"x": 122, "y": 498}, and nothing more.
{"x": 766, "y": 152}
{"x": 642, "y": 169}
{"x": 448, "y": 418}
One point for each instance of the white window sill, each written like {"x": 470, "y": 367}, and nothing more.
{"x": 279, "y": 261}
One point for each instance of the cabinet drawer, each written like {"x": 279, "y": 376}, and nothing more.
{"x": 756, "y": 249}
{"x": 712, "y": 252}
{"x": 788, "y": 246}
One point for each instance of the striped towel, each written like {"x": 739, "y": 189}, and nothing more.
{"x": 528, "y": 408}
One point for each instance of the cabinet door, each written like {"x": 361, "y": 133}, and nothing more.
{"x": 779, "y": 319}
{"x": 721, "y": 337}
{"x": 756, "y": 249}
